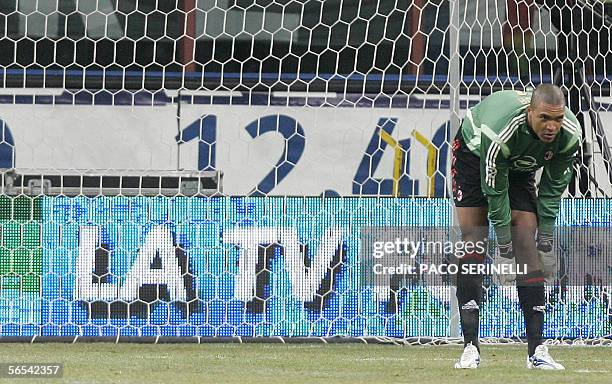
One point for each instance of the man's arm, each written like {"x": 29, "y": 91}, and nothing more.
{"x": 555, "y": 178}
{"x": 494, "y": 183}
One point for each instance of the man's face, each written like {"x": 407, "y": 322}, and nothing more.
{"x": 545, "y": 120}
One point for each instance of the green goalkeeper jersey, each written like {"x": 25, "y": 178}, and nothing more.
{"x": 496, "y": 130}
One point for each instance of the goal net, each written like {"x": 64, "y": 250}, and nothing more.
{"x": 216, "y": 168}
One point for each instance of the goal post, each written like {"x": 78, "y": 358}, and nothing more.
{"x": 224, "y": 168}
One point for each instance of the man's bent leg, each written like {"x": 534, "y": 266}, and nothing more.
{"x": 530, "y": 289}
{"x": 530, "y": 286}
{"x": 473, "y": 223}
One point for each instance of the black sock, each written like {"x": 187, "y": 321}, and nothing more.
{"x": 531, "y": 297}
{"x": 469, "y": 296}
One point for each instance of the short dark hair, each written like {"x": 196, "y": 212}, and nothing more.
{"x": 548, "y": 94}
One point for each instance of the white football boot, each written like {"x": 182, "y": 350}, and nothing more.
{"x": 542, "y": 360}
{"x": 470, "y": 358}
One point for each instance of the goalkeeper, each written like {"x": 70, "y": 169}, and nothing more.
{"x": 502, "y": 141}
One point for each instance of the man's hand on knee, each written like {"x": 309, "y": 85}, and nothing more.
{"x": 506, "y": 262}
{"x": 548, "y": 259}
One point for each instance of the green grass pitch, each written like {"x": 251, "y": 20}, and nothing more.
{"x": 302, "y": 363}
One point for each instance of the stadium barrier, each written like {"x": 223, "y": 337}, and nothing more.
{"x": 235, "y": 268}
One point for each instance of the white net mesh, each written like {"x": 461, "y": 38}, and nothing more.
{"x": 315, "y": 110}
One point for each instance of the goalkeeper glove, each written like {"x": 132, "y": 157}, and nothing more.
{"x": 548, "y": 259}
{"x": 506, "y": 257}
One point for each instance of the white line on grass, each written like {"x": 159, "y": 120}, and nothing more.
{"x": 589, "y": 371}
{"x": 383, "y": 359}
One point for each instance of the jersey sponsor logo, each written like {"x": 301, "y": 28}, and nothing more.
{"x": 526, "y": 163}
{"x": 548, "y": 155}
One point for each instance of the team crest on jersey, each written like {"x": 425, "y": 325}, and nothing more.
{"x": 548, "y": 155}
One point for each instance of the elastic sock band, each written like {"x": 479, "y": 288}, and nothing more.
{"x": 473, "y": 257}
{"x": 531, "y": 278}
